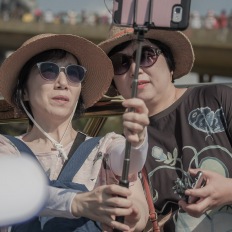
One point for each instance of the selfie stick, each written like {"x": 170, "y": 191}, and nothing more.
{"x": 125, "y": 172}
{"x": 140, "y": 31}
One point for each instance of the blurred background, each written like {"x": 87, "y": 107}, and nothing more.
{"x": 210, "y": 31}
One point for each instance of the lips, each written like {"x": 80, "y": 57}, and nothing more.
{"x": 141, "y": 83}
{"x": 61, "y": 98}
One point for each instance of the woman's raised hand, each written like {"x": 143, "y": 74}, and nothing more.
{"x": 135, "y": 121}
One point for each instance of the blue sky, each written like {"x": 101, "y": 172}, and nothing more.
{"x": 98, "y": 5}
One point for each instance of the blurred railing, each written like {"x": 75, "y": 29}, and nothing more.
{"x": 14, "y": 33}
{"x": 213, "y": 48}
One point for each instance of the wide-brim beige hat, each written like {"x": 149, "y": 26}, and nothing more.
{"x": 99, "y": 68}
{"x": 179, "y": 44}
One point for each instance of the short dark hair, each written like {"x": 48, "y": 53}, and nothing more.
{"x": 52, "y": 54}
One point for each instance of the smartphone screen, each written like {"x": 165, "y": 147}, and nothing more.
{"x": 166, "y": 14}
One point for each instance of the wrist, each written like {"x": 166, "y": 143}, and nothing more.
{"x": 77, "y": 205}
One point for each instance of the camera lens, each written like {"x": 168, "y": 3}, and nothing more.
{"x": 178, "y": 10}
{"x": 177, "y": 14}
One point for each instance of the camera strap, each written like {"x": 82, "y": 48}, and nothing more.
{"x": 152, "y": 214}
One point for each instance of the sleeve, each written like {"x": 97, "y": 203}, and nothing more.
{"x": 59, "y": 202}
{"x": 138, "y": 155}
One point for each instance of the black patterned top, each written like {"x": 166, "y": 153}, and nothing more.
{"x": 193, "y": 132}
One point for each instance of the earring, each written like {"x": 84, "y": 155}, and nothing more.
{"x": 172, "y": 78}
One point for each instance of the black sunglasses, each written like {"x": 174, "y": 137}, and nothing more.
{"x": 122, "y": 62}
{"x": 50, "y": 71}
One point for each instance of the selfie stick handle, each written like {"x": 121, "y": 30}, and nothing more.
{"x": 124, "y": 182}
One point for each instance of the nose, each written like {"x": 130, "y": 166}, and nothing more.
{"x": 62, "y": 81}
{"x": 133, "y": 69}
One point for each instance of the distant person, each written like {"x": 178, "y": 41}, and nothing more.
{"x": 72, "y": 17}
{"x": 223, "y": 26}
{"x": 38, "y": 14}
{"x": 5, "y": 10}
{"x": 49, "y": 16}
{"x": 28, "y": 17}
{"x": 210, "y": 21}
{"x": 195, "y": 20}
{"x": 222, "y": 20}
{"x": 230, "y": 21}
{"x": 83, "y": 17}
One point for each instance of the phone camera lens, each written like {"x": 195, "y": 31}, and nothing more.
{"x": 178, "y": 10}
{"x": 177, "y": 14}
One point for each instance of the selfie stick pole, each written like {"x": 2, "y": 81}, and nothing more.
{"x": 124, "y": 182}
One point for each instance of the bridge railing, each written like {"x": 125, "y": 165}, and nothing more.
{"x": 213, "y": 48}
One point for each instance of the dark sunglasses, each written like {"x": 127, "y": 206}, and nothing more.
{"x": 122, "y": 62}
{"x": 50, "y": 71}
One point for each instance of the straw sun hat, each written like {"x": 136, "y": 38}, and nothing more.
{"x": 179, "y": 44}
{"x": 99, "y": 68}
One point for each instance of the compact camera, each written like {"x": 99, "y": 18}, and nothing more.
{"x": 199, "y": 182}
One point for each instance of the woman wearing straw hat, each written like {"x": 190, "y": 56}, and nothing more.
{"x": 190, "y": 129}
{"x": 52, "y": 77}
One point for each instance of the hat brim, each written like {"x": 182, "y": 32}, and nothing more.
{"x": 179, "y": 44}
{"x": 99, "y": 68}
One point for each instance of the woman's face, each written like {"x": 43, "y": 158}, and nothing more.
{"x": 52, "y": 100}
{"x": 153, "y": 81}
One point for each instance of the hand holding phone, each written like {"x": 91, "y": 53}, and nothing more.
{"x": 199, "y": 183}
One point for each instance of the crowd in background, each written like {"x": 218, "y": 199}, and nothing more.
{"x": 18, "y": 10}
{"x": 211, "y": 20}
{"x": 21, "y": 10}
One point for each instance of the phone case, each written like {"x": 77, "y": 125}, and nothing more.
{"x": 162, "y": 14}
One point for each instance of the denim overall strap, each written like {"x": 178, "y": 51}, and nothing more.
{"x": 77, "y": 160}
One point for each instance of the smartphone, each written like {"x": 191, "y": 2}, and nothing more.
{"x": 161, "y": 14}
{"x": 199, "y": 183}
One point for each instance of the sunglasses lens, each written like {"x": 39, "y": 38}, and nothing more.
{"x": 49, "y": 71}
{"x": 75, "y": 73}
{"x": 121, "y": 63}
{"x": 148, "y": 57}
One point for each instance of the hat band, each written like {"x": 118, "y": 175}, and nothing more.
{"x": 123, "y": 32}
